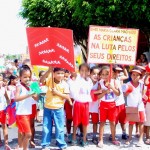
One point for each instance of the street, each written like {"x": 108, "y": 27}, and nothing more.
{"x": 107, "y": 144}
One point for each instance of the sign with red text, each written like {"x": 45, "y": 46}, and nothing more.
{"x": 51, "y": 47}
{"x": 109, "y": 45}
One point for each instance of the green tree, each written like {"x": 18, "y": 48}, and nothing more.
{"x": 79, "y": 14}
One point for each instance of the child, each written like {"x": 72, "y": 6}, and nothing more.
{"x": 107, "y": 104}
{"x": 4, "y": 101}
{"x": 24, "y": 107}
{"x": 147, "y": 109}
{"x": 134, "y": 99}
{"x": 82, "y": 97}
{"x": 53, "y": 110}
{"x": 41, "y": 100}
{"x": 93, "y": 106}
{"x": 120, "y": 102}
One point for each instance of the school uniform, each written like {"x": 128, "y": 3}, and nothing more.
{"x": 94, "y": 107}
{"x": 24, "y": 111}
{"x": 107, "y": 107}
{"x": 134, "y": 99}
{"x": 82, "y": 98}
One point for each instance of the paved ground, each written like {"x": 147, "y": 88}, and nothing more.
{"x": 107, "y": 143}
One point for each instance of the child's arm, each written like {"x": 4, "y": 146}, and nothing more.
{"x": 7, "y": 98}
{"x": 146, "y": 80}
{"x": 125, "y": 76}
{"x": 103, "y": 93}
{"x": 42, "y": 80}
{"x": 20, "y": 98}
{"x": 115, "y": 89}
{"x": 35, "y": 97}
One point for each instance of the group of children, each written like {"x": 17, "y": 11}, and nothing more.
{"x": 73, "y": 98}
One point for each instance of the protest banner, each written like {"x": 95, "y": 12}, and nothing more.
{"x": 51, "y": 47}
{"x": 110, "y": 45}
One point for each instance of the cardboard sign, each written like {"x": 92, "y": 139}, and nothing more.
{"x": 51, "y": 47}
{"x": 110, "y": 45}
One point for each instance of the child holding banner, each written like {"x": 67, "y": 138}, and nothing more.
{"x": 134, "y": 100}
{"x": 107, "y": 108}
{"x": 53, "y": 110}
{"x": 24, "y": 107}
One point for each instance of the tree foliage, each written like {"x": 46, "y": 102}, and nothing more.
{"x": 79, "y": 14}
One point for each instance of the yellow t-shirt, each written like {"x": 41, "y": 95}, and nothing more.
{"x": 54, "y": 101}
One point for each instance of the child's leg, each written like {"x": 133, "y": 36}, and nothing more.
{"x": 26, "y": 139}
{"x": 47, "y": 127}
{"x": 81, "y": 128}
{"x": 147, "y": 132}
{"x": 137, "y": 129}
{"x": 141, "y": 129}
{"x": 33, "y": 131}
{"x": 101, "y": 132}
{"x": 94, "y": 129}
{"x": 84, "y": 133}
{"x": 112, "y": 128}
{"x": 59, "y": 125}
{"x": 130, "y": 132}
{"x": 5, "y": 133}
{"x": 68, "y": 125}
{"x": 74, "y": 132}
{"x": 20, "y": 139}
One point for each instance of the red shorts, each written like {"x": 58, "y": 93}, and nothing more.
{"x": 80, "y": 113}
{"x": 121, "y": 114}
{"x": 23, "y": 123}
{"x": 68, "y": 110}
{"x": 142, "y": 118}
{"x": 107, "y": 111}
{"x": 2, "y": 117}
{"x": 94, "y": 117}
{"x": 33, "y": 115}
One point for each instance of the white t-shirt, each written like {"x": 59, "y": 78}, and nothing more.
{"x": 119, "y": 99}
{"x": 11, "y": 91}
{"x": 3, "y": 103}
{"x": 134, "y": 99}
{"x": 108, "y": 97}
{"x": 82, "y": 89}
{"x": 71, "y": 84}
{"x": 93, "y": 106}
{"x": 24, "y": 107}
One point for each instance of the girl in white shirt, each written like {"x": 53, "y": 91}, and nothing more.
{"x": 134, "y": 99}
{"x": 82, "y": 97}
{"x": 24, "y": 107}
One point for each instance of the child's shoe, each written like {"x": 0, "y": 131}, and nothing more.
{"x": 95, "y": 140}
{"x": 84, "y": 144}
{"x": 69, "y": 138}
{"x": 74, "y": 143}
{"x": 124, "y": 136}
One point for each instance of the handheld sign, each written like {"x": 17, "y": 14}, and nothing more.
{"x": 109, "y": 45}
{"x": 34, "y": 88}
{"x": 51, "y": 47}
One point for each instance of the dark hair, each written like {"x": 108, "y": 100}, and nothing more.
{"x": 58, "y": 69}
{"x": 23, "y": 69}
{"x": 67, "y": 71}
{"x": 12, "y": 77}
{"x": 84, "y": 65}
{"x": 16, "y": 61}
{"x": 94, "y": 67}
{"x": 40, "y": 73}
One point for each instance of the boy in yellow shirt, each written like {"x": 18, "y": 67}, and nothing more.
{"x": 58, "y": 91}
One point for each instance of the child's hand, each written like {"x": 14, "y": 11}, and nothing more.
{"x": 54, "y": 91}
{"x": 70, "y": 102}
{"x": 126, "y": 94}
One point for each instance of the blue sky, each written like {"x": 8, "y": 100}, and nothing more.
{"x": 12, "y": 28}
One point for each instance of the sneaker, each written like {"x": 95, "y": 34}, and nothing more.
{"x": 95, "y": 140}
{"x": 63, "y": 148}
{"x": 74, "y": 143}
{"x": 124, "y": 136}
{"x": 110, "y": 137}
{"x": 84, "y": 144}
{"x": 69, "y": 139}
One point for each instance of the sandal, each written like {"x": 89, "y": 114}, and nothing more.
{"x": 139, "y": 144}
{"x": 7, "y": 147}
{"x": 32, "y": 144}
{"x": 117, "y": 143}
{"x": 74, "y": 142}
{"x": 147, "y": 142}
{"x": 100, "y": 145}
